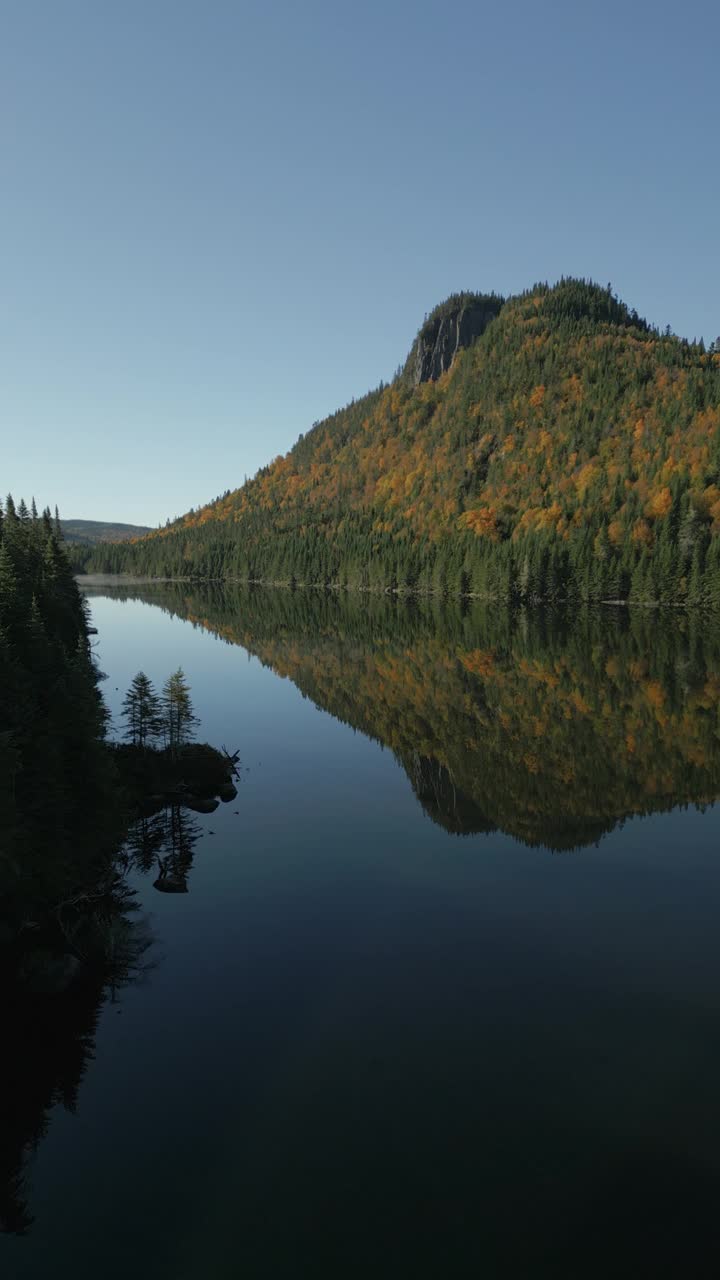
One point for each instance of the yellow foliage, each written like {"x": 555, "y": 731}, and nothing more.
{"x": 480, "y": 662}
{"x": 654, "y": 693}
{"x": 659, "y": 504}
{"x": 641, "y": 534}
{"x": 585, "y": 478}
{"x": 481, "y": 522}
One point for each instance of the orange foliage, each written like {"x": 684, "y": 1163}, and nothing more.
{"x": 481, "y": 522}
{"x": 480, "y": 662}
{"x": 641, "y": 534}
{"x": 659, "y": 504}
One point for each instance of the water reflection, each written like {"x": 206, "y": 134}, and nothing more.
{"x": 552, "y": 729}
{"x": 71, "y": 938}
{"x": 58, "y": 968}
{"x": 517, "y": 1055}
{"x": 56, "y": 975}
{"x": 164, "y": 842}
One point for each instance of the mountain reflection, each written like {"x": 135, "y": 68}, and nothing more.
{"x": 549, "y": 728}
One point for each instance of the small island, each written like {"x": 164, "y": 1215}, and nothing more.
{"x": 159, "y": 764}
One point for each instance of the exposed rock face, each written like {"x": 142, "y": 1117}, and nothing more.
{"x": 442, "y": 336}
{"x": 441, "y": 799}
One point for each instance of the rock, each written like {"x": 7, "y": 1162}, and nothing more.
{"x": 443, "y": 335}
{"x": 227, "y": 792}
{"x": 199, "y": 805}
{"x": 170, "y": 884}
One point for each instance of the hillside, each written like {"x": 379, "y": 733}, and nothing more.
{"x": 551, "y": 446}
{"x": 90, "y": 532}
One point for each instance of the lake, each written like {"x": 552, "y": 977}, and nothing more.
{"x": 442, "y": 996}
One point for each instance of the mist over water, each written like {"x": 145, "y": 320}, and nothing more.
{"x": 440, "y": 990}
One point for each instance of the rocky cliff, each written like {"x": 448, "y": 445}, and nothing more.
{"x": 453, "y": 325}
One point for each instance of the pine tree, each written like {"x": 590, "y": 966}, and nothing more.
{"x": 10, "y": 604}
{"x": 179, "y": 720}
{"x": 141, "y": 709}
{"x": 694, "y": 594}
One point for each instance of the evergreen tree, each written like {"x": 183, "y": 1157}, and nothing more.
{"x": 10, "y": 605}
{"x": 178, "y": 718}
{"x": 141, "y": 710}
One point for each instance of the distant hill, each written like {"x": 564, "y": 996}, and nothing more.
{"x": 90, "y": 532}
{"x": 550, "y": 446}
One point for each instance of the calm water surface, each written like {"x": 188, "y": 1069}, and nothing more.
{"x": 443, "y": 996}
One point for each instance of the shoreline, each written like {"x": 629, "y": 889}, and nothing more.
{"x": 132, "y": 580}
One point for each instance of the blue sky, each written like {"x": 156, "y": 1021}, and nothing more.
{"x": 221, "y": 221}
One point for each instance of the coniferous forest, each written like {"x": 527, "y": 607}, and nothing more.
{"x": 67, "y": 794}
{"x": 567, "y": 451}
{"x": 55, "y": 776}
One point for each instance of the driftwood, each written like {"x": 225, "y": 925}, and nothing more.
{"x": 233, "y": 760}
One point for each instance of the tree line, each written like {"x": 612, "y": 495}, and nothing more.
{"x": 52, "y": 717}
{"x": 66, "y": 797}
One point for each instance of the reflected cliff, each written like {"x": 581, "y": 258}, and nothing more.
{"x": 550, "y": 728}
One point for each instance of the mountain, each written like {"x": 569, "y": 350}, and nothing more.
{"x": 90, "y": 532}
{"x": 548, "y": 446}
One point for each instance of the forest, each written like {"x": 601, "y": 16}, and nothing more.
{"x": 56, "y": 780}
{"x": 67, "y": 794}
{"x": 570, "y": 453}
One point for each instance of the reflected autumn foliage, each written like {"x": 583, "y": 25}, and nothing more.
{"x": 549, "y": 727}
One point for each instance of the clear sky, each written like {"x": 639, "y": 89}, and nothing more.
{"x": 221, "y": 220}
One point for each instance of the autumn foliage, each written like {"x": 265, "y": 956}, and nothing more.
{"x": 571, "y": 452}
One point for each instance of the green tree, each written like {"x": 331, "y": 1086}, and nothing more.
{"x": 178, "y": 718}
{"x": 141, "y": 710}
{"x": 10, "y": 604}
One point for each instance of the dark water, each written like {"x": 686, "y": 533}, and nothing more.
{"x": 443, "y": 996}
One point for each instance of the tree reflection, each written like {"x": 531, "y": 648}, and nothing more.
{"x": 164, "y": 842}
{"x": 58, "y": 969}
{"x": 55, "y": 978}
{"x": 552, "y": 728}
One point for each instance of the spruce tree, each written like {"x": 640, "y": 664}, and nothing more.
{"x": 10, "y": 603}
{"x": 178, "y": 718}
{"x": 141, "y": 710}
